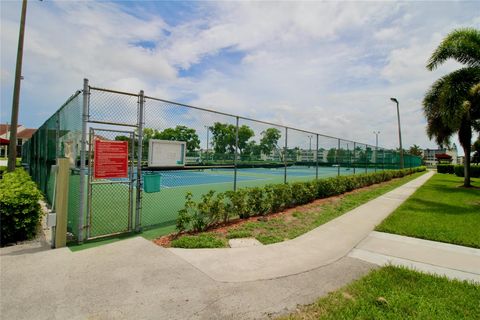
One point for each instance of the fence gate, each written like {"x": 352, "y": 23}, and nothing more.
{"x": 110, "y": 182}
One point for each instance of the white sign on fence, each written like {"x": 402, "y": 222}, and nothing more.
{"x": 166, "y": 153}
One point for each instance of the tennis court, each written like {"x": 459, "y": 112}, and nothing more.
{"x": 161, "y": 208}
{"x": 182, "y": 178}
{"x": 210, "y": 139}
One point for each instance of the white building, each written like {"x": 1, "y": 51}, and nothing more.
{"x": 430, "y": 159}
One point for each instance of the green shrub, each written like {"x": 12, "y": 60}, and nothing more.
{"x": 445, "y": 168}
{"x": 202, "y": 215}
{"x": 237, "y": 203}
{"x": 272, "y": 198}
{"x": 256, "y": 201}
{"x": 20, "y": 211}
{"x": 474, "y": 171}
{"x": 279, "y": 197}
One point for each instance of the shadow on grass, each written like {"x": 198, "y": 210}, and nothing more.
{"x": 442, "y": 208}
{"x": 448, "y": 186}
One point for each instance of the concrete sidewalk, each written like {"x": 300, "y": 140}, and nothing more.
{"x": 455, "y": 262}
{"x": 317, "y": 248}
{"x": 136, "y": 279}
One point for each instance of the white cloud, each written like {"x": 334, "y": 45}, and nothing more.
{"x": 329, "y": 67}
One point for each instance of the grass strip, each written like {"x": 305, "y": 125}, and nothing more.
{"x": 397, "y": 293}
{"x": 285, "y": 227}
{"x": 440, "y": 210}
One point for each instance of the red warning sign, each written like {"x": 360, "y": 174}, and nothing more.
{"x": 110, "y": 159}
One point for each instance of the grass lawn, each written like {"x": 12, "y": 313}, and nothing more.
{"x": 286, "y": 227}
{"x": 440, "y": 210}
{"x": 397, "y": 293}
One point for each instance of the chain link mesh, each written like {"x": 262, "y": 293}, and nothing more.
{"x": 223, "y": 152}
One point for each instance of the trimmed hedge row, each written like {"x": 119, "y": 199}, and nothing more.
{"x": 459, "y": 170}
{"x": 474, "y": 171}
{"x": 445, "y": 168}
{"x": 258, "y": 201}
{"x": 20, "y": 211}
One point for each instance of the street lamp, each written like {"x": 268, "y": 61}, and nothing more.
{"x": 376, "y": 133}
{"x": 399, "y": 133}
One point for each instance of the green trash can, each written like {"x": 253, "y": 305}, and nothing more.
{"x": 151, "y": 182}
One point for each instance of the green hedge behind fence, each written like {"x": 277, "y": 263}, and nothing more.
{"x": 20, "y": 211}
{"x": 445, "y": 168}
{"x": 459, "y": 170}
{"x": 247, "y": 202}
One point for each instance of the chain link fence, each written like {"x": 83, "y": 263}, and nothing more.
{"x": 223, "y": 152}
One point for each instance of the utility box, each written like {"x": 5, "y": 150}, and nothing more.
{"x": 51, "y": 219}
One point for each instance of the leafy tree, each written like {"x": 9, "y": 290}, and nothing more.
{"x": 332, "y": 155}
{"x": 269, "y": 140}
{"x": 224, "y": 137}
{"x": 252, "y": 149}
{"x": 244, "y": 134}
{"x": 452, "y": 104}
{"x": 415, "y": 150}
{"x": 180, "y": 133}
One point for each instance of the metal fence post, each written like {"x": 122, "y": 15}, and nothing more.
{"x": 316, "y": 159}
{"x": 138, "y": 205}
{"x": 235, "y": 158}
{"x": 366, "y": 160}
{"x": 81, "y": 215}
{"x": 45, "y": 156}
{"x": 57, "y": 136}
{"x": 338, "y": 158}
{"x": 285, "y": 156}
{"x": 354, "y": 155}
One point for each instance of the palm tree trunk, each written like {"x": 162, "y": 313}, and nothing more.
{"x": 466, "y": 180}
{"x": 465, "y": 137}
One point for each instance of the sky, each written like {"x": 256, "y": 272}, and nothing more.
{"x": 328, "y": 67}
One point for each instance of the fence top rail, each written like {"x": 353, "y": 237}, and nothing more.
{"x": 239, "y": 117}
{"x": 211, "y": 111}
{"x": 73, "y": 96}
{"x": 114, "y": 91}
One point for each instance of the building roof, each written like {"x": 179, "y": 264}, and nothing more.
{"x": 26, "y": 133}
{"x": 4, "y": 128}
{"x": 22, "y": 132}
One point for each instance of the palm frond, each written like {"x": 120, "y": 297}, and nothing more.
{"x": 444, "y": 103}
{"x": 462, "y": 45}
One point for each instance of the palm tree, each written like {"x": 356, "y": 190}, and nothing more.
{"x": 452, "y": 104}
{"x": 415, "y": 150}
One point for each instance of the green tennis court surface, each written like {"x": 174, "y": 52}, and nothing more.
{"x": 110, "y": 202}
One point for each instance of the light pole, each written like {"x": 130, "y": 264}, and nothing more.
{"x": 12, "y": 154}
{"x": 399, "y": 133}
{"x": 376, "y": 133}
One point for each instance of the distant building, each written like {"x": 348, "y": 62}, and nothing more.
{"x": 430, "y": 159}
{"x": 460, "y": 159}
{"x": 23, "y": 135}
